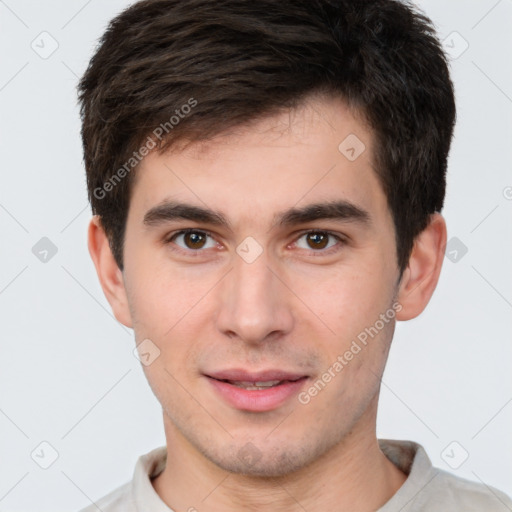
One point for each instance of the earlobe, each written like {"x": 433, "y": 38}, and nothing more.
{"x": 422, "y": 274}
{"x": 109, "y": 274}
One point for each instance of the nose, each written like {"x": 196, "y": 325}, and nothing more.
{"x": 254, "y": 303}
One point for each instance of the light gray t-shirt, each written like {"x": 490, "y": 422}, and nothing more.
{"x": 427, "y": 489}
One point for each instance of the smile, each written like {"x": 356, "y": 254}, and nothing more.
{"x": 257, "y": 396}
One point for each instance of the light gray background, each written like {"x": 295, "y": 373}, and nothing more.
{"x": 67, "y": 372}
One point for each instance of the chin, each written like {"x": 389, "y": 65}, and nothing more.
{"x": 270, "y": 462}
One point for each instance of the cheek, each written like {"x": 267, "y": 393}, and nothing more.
{"x": 346, "y": 298}
{"x": 149, "y": 300}
{"x": 170, "y": 311}
{"x": 159, "y": 294}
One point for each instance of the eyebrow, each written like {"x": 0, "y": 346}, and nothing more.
{"x": 340, "y": 210}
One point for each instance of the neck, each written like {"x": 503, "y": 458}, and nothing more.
{"x": 353, "y": 475}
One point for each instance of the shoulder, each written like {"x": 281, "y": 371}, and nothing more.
{"x": 118, "y": 500}
{"x": 430, "y": 489}
{"x": 446, "y": 491}
{"x": 129, "y": 496}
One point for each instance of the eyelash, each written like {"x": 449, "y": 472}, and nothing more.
{"x": 194, "y": 253}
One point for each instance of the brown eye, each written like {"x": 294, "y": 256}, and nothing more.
{"x": 317, "y": 240}
{"x": 194, "y": 240}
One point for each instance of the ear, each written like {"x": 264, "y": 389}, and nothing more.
{"x": 109, "y": 274}
{"x": 420, "y": 278}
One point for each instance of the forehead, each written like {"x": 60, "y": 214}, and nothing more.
{"x": 320, "y": 151}
{"x": 318, "y": 120}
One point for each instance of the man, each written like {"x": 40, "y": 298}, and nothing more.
{"x": 267, "y": 180}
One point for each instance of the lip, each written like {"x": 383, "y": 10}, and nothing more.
{"x": 256, "y": 400}
{"x": 261, "y": 376}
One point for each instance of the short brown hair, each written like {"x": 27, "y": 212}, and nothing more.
{"x": 235, "y": 61}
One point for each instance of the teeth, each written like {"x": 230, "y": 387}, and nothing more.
{"x": 255, "y": 385}
{"x": 267, "y": 383}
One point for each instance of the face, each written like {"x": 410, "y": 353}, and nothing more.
{"x": 264, "y": 287}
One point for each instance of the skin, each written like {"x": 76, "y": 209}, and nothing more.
{"x": 295, "y": 308}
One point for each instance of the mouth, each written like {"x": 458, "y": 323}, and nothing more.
{"x": 257, "y": 385}
{"x": 260, "y": 392}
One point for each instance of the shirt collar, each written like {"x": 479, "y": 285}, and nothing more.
{"x": 408, "y": 456}
{"x": 144, "y": 495}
